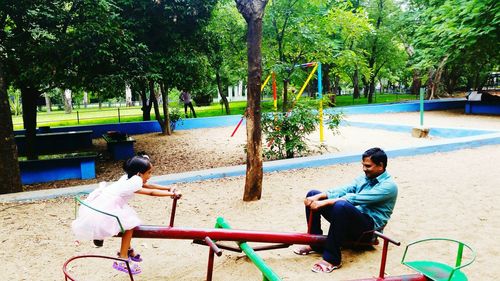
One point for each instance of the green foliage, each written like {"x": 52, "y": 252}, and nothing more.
{"x": 464, "y": 32}
{"x": 334, "y": 121}
{"x": 15, "y": 101}
{"x": 286, "y": 133}
{"x": 174, "y": 114}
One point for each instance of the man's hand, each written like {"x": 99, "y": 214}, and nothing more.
{"x": 309, "y": 200}
{"x": 316, "y": 205}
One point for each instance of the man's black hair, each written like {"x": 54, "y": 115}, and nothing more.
{"x": 377, "y": 156}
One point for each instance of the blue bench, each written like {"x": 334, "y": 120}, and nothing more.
{"x": 57, "y": 142}
{"x": 481, "y": 107}
{"x": 58, "y": 167}
{"x": 120, "y": 146}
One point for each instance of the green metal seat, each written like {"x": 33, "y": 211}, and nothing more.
{"x": 439, "y": 271}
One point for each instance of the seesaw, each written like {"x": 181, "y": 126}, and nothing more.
{"x": 426, "y": 270}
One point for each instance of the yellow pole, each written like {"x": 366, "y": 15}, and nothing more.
{"x": 265, "y": 82}
{"x": 305, "y": 83}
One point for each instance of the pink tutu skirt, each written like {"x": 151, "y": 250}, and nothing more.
{"x": 91, "y": 224}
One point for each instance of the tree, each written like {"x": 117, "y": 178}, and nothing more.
{"x": 53, "y": 44}
{"x": 291, "y": 36}
{"x": 225, "y": 37}
{"x": 346, "y": 25}
{"x": 253, "y": 11}
{"x": 11, "y": 181}
{"x": 382, "y": 44}
{"x": 455, "y": 39}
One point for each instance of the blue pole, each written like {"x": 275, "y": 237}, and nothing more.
{"x": 421, "y": 108}
{"x": 320, "y": 96}
{"x": 320, "y": 83}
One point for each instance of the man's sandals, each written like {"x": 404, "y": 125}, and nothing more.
{"x": 304, "y": 250}
{"x": 324, "y": 267}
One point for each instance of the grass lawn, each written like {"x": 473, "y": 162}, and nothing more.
{"x": 105, "y": 115}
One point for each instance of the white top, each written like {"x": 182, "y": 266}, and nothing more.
{"x": 474, "y": 96}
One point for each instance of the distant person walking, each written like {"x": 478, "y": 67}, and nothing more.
{"x": 186, "y": 98}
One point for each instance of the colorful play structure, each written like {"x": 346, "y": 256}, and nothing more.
{"x": 426, "y": 269}
{"x": 316, "y": 68}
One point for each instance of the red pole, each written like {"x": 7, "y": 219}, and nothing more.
{"x": 384, "y": 259}
{"x": 213, "y": 249}
{"x": 166, "y": 232}
{"x": 274, "y": 86}
{"x": 210, "y": 266}
{"x": 172, "y": 215}
{"x": 410, "y": 277}
{"x": 237, "y": 126}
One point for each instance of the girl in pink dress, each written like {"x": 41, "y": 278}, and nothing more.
{"x": 113, "y": 199}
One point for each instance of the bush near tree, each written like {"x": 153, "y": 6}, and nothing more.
{"x": 286, "y": 133}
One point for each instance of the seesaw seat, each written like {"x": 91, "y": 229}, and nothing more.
{"x": 437, "y": 270}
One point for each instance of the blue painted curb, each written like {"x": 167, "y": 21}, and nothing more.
{"x": 434, "y": 131}
{"x": 272, "y": 166}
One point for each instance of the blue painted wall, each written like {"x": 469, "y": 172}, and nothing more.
{"x": 135, "y": 128}
{"x": 37, "y": 171}
{"x": 131, "y": 128}
{"x": 482, "y": 108}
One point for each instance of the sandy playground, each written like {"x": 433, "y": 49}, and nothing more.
{"x": 452, "y": 194}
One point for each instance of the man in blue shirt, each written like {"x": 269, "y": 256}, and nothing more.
{"x": 364, "y": 205}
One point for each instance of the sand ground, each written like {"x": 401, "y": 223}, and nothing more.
{"x": 451, "y": 194}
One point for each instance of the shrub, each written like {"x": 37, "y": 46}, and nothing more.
{"x": 175, "y": 116}
{"x": 285, "y": 133}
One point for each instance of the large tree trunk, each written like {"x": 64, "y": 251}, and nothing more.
{"x": 85, "y": 99}
{"x": 326, "y": 83}
{"x": 416, "y": 83}
{"x": 435, "y": 79}
{"x": 366, "y": 86}
{"x": 48, "y": 104}
{"x": 336, "y": 85}
{"x": 164, "y": 97}
{"x": 146, "y": 104}
{"x": 11, "y": 178}
{"x": 284, "y": 106}
{"x": 355, "y": 84}
{"x": 68, "y": 102}
{"x": 223, "y": 96}
{"x": 253, "y": 11}
{"x": 29, "y": 96}
{"x": 154, "y": 100}
{"x": 371, "y": 89}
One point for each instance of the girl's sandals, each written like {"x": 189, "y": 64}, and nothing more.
{"x": 122, "y": 266}
{"x": 324, "y": 267}
{"x": 132, "y": 256}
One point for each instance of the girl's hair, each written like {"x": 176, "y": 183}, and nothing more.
{"x": 137, "y": 164}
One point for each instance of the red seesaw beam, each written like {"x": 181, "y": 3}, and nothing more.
{"x": 410, "y": 277}
{"x": 167, "y": 232}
